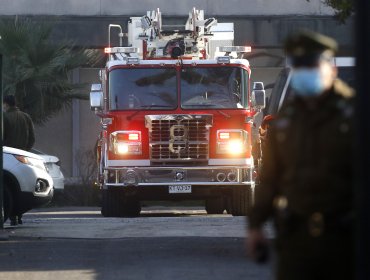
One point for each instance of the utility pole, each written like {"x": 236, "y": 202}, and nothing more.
{"x": 362, "y": 156}
{"x": 1, "y": 140}
{"x": 1, "y": 143}
{"x": 3, "y": 234}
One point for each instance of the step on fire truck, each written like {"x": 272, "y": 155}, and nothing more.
{"x": 176, "y": 110}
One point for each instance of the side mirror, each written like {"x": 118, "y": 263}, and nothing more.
{"x": 258, "y": 96}
{"x": 96, "y": 97}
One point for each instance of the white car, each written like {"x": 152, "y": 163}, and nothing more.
{"x": 27, "y": 184}
{"x": 53, "y": 167}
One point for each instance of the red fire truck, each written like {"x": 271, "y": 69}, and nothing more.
{"x": 176, "y": 109}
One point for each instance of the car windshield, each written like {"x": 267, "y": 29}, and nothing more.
{"x": 213, "y": 87}
{"x": 154, "y": 88}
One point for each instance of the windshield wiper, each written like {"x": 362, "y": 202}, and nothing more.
{"x": 147, "y": 107}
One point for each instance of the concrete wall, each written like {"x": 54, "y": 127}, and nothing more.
{"x": 168, "y": 7}
{"x": 72, "y": 130}
{"x": 261, "y": 23}
{"x": 257, "y": 31}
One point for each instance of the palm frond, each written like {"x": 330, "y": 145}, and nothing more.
{"x": 36, "y": 70}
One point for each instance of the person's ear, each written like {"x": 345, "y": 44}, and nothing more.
{"x": 335, "y": 71}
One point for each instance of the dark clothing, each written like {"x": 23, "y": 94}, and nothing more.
{"x": 18, "y": 129}
{"x": 306, "y": 184}
{"x": 319, "y": 267}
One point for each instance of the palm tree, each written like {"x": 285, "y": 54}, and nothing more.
{"x": 343, "y": 8}
{"x": 36, "y": 70}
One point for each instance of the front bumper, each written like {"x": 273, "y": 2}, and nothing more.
{"x": 165, "y": 176}
{"x": 58, "y": 183}
{"x": 28, "y": 200}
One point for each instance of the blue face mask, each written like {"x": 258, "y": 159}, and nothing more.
{"x": 307, "y": 82}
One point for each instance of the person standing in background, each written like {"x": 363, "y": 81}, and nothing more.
{"x": 18, "y": 133}
{"x": 18, "y": 126}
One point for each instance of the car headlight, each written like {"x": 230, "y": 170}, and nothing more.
{"x": 232, "y": 141}
{"x": 126, "y": 142}
{"x": 39, "y": 163}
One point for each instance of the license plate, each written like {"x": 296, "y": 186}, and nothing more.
{"x": 179, "y": 189}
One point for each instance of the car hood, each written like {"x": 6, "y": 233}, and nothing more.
{"x": 14, "y": 151}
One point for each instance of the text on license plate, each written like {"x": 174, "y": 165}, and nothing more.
{"x": 179, "y": 189}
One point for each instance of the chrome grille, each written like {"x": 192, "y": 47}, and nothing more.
{"x": 176, "y": 138}
{"x": 192, "y": 151}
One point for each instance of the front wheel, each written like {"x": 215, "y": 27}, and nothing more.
{"x": 112, "y": 202}
{"x": 131, "y": 207}
{"x": 116, "y": 204}
{"x": 241, "y": 201}
{"x": 215, "y": 205}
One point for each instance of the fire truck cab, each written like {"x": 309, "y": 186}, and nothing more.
{"x": 176, "y": 110}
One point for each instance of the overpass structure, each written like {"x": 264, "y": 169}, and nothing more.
{"x": 260, "y": 23}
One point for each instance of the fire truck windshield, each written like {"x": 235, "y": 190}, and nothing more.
{"x": 214, "y": 87}
{"x": 152, "y": 89}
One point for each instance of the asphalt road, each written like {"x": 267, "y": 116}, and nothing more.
{"x": 164, "y": 243}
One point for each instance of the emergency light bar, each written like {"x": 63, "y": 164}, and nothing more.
{"x": 121, "y": 50}
{"x": 237, "y": 49}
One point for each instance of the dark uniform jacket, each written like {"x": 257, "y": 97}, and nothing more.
{"x": 18, "y": 129}
{"x": 307, "y": 165}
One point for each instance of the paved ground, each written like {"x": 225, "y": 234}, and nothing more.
{"x": 153, "y": 222}
{"x": 176, "y": 243}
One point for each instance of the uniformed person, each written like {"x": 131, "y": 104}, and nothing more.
{"x": 307, "y": 180}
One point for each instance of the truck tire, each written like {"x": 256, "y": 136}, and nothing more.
{"x": 215, "y": 205}
{"x": 116, "y": 204}
{"x": 8, "y": 201}
{"x": 241, "y": 201}
{"x": 112, "y": 202}
{"x": 131, "y": 207}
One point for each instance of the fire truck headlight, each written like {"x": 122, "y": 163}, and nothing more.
{"x": 232, "y": 142}
{"x": 122, "y": 148}
{"x": 125, "y": 142}
{"x": 236, "y": 147}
